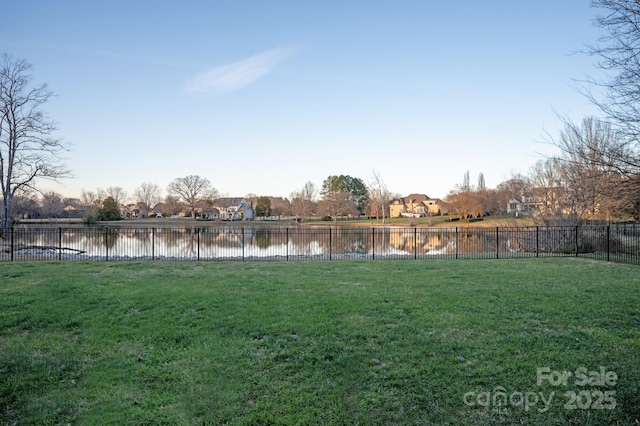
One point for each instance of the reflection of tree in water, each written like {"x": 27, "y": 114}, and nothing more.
{"x": 135, "y": 242}
{"x": 303, "y": 241}
{"x": 90, "y": 239}
{"x": 35, "y": 237}
{"x": 111, "y": 236}
{"x": 176, "y": 242}
{"x": 218, "y": 241}
{"x": 344, "y": 241}
{"x": 213, "y": 241}
{"x": 231, "y": 237}
{"x": 263, "y": 238}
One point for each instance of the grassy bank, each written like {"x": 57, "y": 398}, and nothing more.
{"x": 389, "y": 342}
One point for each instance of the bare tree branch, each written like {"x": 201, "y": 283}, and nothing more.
{"x": 28, "y": 151}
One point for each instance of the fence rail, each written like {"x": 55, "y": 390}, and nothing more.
{"x": 620, "y": 243}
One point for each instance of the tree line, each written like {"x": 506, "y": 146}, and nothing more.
{"x": 564, "y": 190}
{"x": 339, "y": 196}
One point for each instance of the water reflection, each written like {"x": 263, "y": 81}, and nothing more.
{"x": 255, "y": 241}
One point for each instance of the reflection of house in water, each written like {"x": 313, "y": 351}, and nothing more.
{"x": 417, "y": 205}
{"x": 420, "y": 240}
{"x": 225, "y": 237}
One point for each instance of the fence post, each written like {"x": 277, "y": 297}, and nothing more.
{"x": 608, "y": 243}
{"x": 287, "y": 241}
{"x": 153, "y": 241}
{"x": 12, "y": 242}
{"x": 373, "y": 243}
{"x": 537, "y": 240}
{"x": 60, "y": 243}
{"x": 576, "y": 230}
{"x": 415, "y": 243}
{"x": 242, "y": 241}
{"x": 106, "y": 243}
{"x": 330, "y": 249}
{"x": 497, "y": 242}
{"x": 198, "y": 243}
{"x": 456, "y": 242}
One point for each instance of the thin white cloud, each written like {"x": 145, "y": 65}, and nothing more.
{"x": 140, "y": 58}
{"x": 230, "y": 77}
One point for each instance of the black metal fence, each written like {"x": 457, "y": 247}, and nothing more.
{"x": 620, "y": 243}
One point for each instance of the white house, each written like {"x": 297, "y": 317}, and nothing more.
{"x": 234, "y": 208}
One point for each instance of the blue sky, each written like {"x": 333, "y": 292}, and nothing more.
{"x": 262, "y": 96}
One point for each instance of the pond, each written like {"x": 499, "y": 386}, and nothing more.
{"x": 236, "y": 242}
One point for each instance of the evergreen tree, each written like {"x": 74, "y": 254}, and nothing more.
{"x": 109, "y": 210}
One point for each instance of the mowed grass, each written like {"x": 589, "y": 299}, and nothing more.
{"x": 343, "y": 342}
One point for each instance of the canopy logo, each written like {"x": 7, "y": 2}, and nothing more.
{"x": 585, "y": 392}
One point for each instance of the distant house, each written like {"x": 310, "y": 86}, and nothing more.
{"x": 158, "y": 210}
{"x": 131, "y": 211}
{"x": 74, "y": 211}
{"x": 541, "y": 201}
{"x": 523, "y": 205}
{"x": 233, "y": 209}
{"x": 210, "y": 213}
{"x": 417, "y": 205}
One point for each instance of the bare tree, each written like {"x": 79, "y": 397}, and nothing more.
{"x": 89, "y": 198}
{"x": 303, "y": 201}
{"x": 618, "y": 94}
{"x": 171, "y": 205}
{"x": 28, "y": 152}
{"x": 339, "y": 203}
{"x": 618, "y": 51}
{"x": 494, "y": 202}
{"x": 51, "y": 204}
{"x": 465, "y": 203}
{"x": 118, "y": 194}
{"x": 91, "y": 202}
{"x": 280, "y": 206}
{"x": 552, "y": 202}
{"x": 192, "y": 190}
{"x": 379, "y": 196}
{"x": 517, "y": 187}
{"x": 148, "y": 195}
{"x": 25, "y": 206}
{"x": 590, "y": 154}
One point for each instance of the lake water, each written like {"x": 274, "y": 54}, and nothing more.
{"x": 247, "y": 242}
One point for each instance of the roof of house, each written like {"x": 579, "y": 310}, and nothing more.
{"x": 414, "y": 199}
{"x": 228, "y": 201}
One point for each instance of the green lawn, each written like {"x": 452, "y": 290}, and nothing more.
{"x": 369, "y": 342}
